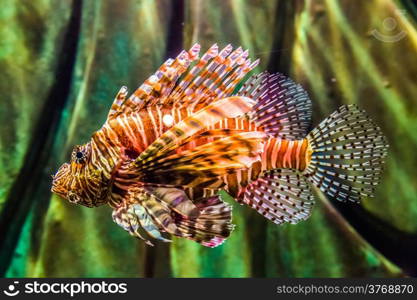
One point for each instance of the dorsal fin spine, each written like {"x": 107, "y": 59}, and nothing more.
{"x": 218, "y": 75}
{"x": 188, "y": 85}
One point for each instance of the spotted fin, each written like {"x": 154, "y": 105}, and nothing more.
{"x": 117, "y": 103}
{"x": 215, "y": 76}
{"x": 174, "y": 199}
{"x": 209, "y": 223}
{"x": 280, "y": 195}
{"x": 147, "y": 223}
{"x": 133, "y": 218}
{"x": 213, "y": 225}
{"x": 348, "y": 155}
{"x": 283, "y": 108}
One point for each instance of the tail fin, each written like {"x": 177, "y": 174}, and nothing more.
{"x": 348, "y": 152}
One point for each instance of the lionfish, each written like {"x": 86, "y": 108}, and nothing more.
{"x": 166, "y": 151}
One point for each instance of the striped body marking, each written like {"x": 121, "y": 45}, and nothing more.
{"x": 88, "y": 181}
{"x": 284, "y": 154}
{"x": 188, "y": 131}
{"x": 276, "y": 153}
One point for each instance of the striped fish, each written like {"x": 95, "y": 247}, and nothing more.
{"x": 151, "y": 125}
{"x": 343, "y": 156}
{"x": 165, "y": 152}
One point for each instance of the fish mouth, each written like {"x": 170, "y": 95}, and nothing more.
{"x": 73, "y": 198}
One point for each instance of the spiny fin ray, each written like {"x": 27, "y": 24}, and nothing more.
{"x": 165, "y": 209}
{"x": 280, "y": 195}
{"x": 283, "y": 108}
{"x": 348, "y": 155}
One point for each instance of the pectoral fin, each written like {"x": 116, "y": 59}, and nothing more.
{"x": 158, "y": 209}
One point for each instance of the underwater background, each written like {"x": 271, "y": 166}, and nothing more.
{"x": 62, "y": 62}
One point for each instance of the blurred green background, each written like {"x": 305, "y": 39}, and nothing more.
{"x": 62, "y": 62}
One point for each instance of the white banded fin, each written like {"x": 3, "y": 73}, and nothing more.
{"x": 348, "y": 155}
{"x": 280, "y": 195}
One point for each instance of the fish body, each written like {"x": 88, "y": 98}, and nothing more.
{"x": 138, "y": 133}
{"x": 165, "y": 152}
{"x": 343, "y": 156}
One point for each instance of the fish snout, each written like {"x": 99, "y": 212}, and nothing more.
{"x": 58, "y": 181}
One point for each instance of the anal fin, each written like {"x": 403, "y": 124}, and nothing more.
{"x": 280, "y": 195}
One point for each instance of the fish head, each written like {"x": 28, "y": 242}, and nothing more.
{"x": 79, "y": 181}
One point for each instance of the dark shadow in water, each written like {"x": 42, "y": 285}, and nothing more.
{"x": 175, "y": 29}
{"x": 397, "y": 246}
{"x": 410, "y": 7}
{"x": 19, "y": 202}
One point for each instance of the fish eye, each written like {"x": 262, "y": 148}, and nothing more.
{"x": 79, "y": 154}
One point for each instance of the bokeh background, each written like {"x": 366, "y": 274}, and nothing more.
{"x": 63, "y": 61}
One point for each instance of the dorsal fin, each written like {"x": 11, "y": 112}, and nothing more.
{"x": 216, "y": 80}
{"x": 158, "y": 86}
{"x": 178, "y": 83}
{"x": 283, "y": 107}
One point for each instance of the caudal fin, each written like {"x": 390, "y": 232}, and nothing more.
{"x": 348, "y": 152}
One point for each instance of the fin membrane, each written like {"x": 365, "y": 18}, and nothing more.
{"x": 204, "y": 165}
{"x": 348, "y": 155}
{"x": 212, "y": 226}
{"x": 283, "y": 108}
{"x": 153, "y": 210}
{"x": 213, "y": 77}
{"x": 181, "y": 83}
{"x": 133, "y": 218}
{"x": 231, "y": 107}
{"x": 157, "y": 87}
{"x": 280, "y": 195}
